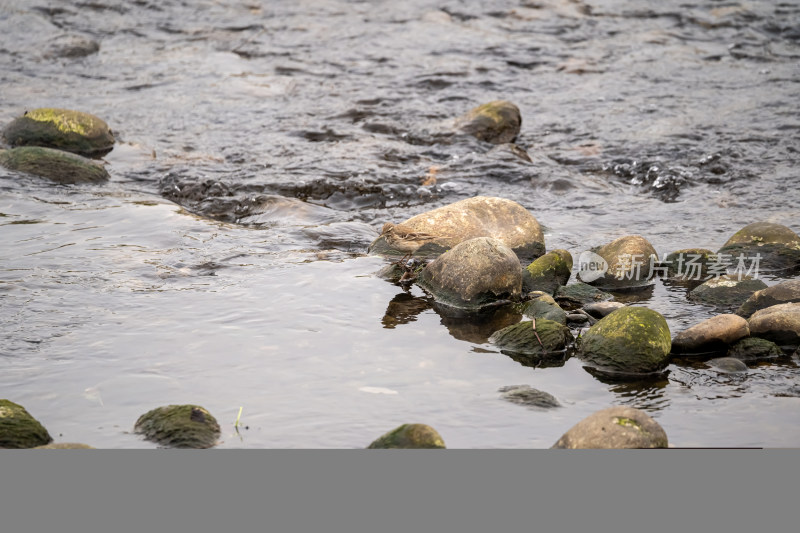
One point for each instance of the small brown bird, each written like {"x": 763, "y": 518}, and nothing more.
{"x": 404, "y": 240}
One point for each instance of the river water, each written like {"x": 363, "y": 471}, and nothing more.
{"x": 262, "y": 144}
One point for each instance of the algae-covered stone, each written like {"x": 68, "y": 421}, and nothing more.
{"x": 753, "y": 348}
{"x": 63, "y": 129}
{"x": 541, "y": 308}
{"x": 782, "y": 293}
{"x": 409, "y": 436}
{"x": 473, "y": 274}
{"x": 548, "y": 338}
{"x": 613, "y": 428}
{"x": 779, "y": 324}
{"x": 55, "y": 165}
{"x": 434, "y": 232}
{"x": 716, "y": 333}
{"x": 728, "y": 365}
{"x": 179, "y": 426}
{"x": 578, "y": 294}
{"x": 629, "y": 263}
{"x": 629, "y": 341}
{"x": 726, "y": 292}
{"x": 18, "y": 429}
{"x": 777, "y": 247}
{"x": 529, "y": 397}
{"x": 689, "y": 264}
{"x": 548, "y": 272}
{"x": 496, "y": 122}
{"x": 65, "y": 446}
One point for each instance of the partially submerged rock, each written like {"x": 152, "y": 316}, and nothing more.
{"x": 753, "y": 349}
{"x": 64, "y": 129}
{"x": 632, "y": 341}
{"x": 55, "y": 165}
{"x": 615, "y": 427}
{"x": 18, "y": 429}
{"x": 179, "y": 426}
{"x": 546, "y": 339}
{"x": 65, "y": 446}
{"x": 542, "y": 308}
{"x": 782, "y": 293}
{"x": 529, "y": 397}
{"x": 629, "y": 263}
{"x": 577, "y": 295}
{"x": 728, "y": 365}
{"x": 496, "y": 122}
{"x": 601, "y": 309}
{"x": 434, "y": 232}
{"x": 409, "y": 436}
{"x": 689, "y": 264}
{"x": 714, "y": 334}
{"x": 548, "y": 272}
{"x": 777, "y": 247}
{"x": 726, "y": 292}
{"x": 779, "y": 324}
{"x": 474, "y": 274}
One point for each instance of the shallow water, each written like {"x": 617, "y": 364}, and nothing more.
{"x": 262, "y": 146}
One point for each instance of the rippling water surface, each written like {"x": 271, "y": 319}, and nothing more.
{"x": 263, "y": 144}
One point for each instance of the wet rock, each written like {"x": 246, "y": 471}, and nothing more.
{"x": 753, "y": 349}
{"x": 729, "y": 365}
{"x": 474, "y": 274}
{"x": 690, "y": 264}
{"x": 548, "y": 272}
{"x": 629, "y": 260}
{"x": 64, "y": 129}
{"x": 529, "y": 397}
{"x": 716, "y": 333}
{"x": 71, "y": 47}
{"x": 630, "y": 341}
{"x": 779, "y": 324}
{"x": 579, "y": 318}
{"x": 726, "y": 292}
{"x": 521, "y": 338}
{"x": 601, "y": 309}
{"x": 545, "y": 307}
{"x": 615, "y": 427}
{"x": 577, "y": 295}
{"x": 55, "y": 165}
{"x": 179, "y": 426}
{"x": 777, "y": 247}
{"x": 18, "y": 429}
{"x": 409, "y": 436}
{"x": 432, "y": 233}
{"x": 496, "y": 122}
{"x": 65, "y": 446}
{"x": 785, "y": 292}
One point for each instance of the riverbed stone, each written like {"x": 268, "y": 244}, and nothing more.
{"x": 753, "y": 349}
{"x": 521, "y": 338}
{"x": 728, "y": 365}
{"x": 64, "y": 129}
{"x": 434, "y": 232}
{"x": 613, "y": 428}
{"x": 548, "y": 272}
{"x": 18, "y": 429}
{"x": 529, "y": 397}
{"x": 474, "y": 274}
{"x": 629, "y": 261}
{"x": 65, "y": 446}
{"x": 630, "y": 341}
{"x": 726, "y": 292}
{"x": 714, "y": 334}
{"x": 690, "y": 264}
{"x": 409, "y": 436}
{"x": 784, "y": 292}
{"x": 495, "y": 122}
{"x": 779, "y": 324}
{"x": 179, "y": 426}
{"x": 601, "y": 309}
{"x": 55, "y": 165}
{"x": 777, "y": 246}
{"x": 545, "y": 308}
{"x": 571, "y": 297}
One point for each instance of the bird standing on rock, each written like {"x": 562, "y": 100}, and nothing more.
{"x": 403, "y": 239}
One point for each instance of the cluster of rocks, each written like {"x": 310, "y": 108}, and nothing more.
{"x": 57, "y": 144}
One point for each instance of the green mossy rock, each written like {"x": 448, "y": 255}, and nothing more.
{"x": 529, "y": 397}
{"x": 778, "y": 246}
{"x": 543, "y": 309}
{"x": 726, "y": 292}
{"x": 629, "y": 341}
{"x": 690, "y": 264}
{"x": 64, "y": 129}
{"x": 521, "y": 338}
{"x": 55, "y": 165}
{"x": 753, "y": 349}
{"x": 179, "y": 426}
{"x": 614, "y": 428}
{"x": 779, "y": 324}
{"x": 548, "y": 272}
{"x": 782, "y": 293}
{"x": 622, "y": 256}
{"x": 409, "y": 436}
{"x": 474, "y": 274}
{"x": 577, "y": 295}
{"x": 18, "y": 429}
{"x": 431, "y": 233}
{"x": 496, "y": 122}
